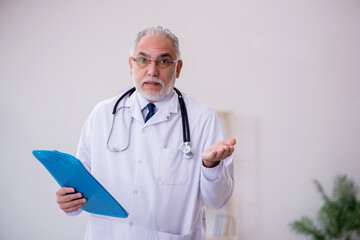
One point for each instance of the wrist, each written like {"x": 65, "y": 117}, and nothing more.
{"x": 210, "y": 164}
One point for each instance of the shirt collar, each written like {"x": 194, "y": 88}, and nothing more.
{"x": 169, "y": 102}
{"x": 141, "y": 100}
{"x": 135, "y": 103}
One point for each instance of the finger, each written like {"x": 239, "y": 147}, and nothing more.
{"x": 219, "y": 152}
{"x": 209, "y": 155}
{"x": 73, "y": 204}
{"x": 231, "y": 142}
{"x": 65, "y": 190}
{"x": 75, "y": 208}
{"x": 226, "y": 152}
{"x": 229, "y": 149}
{"x": 222, "y": 154}
{"x": 68, "y": 197}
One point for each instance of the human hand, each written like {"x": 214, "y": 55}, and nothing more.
{"x": 212, "y": 156}
{"x": 68, "y": 200}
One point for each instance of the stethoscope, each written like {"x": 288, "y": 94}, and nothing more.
{"x": 186, "y": 148}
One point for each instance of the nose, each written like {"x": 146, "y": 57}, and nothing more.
{"x": 153, "y": 69}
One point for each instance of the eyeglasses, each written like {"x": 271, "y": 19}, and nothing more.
{"x": 163, "y": 62}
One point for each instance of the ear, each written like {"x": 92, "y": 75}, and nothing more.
{"x": 178, "y": 68}
{"x": 131, "y": 65}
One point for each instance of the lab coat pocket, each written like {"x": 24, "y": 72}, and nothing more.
{"x": 99, "y": 227}
{"x": 170, "y": 236}
{"x": 173, "y": 168}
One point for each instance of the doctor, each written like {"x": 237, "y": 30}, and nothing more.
{"x": 164, "y": 191}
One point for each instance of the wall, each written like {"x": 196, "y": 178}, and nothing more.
{"x": 289, "y": 70}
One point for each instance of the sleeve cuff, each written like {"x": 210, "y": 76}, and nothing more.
{"x": 212, "y": 174}
{"x": 75, "y": 213}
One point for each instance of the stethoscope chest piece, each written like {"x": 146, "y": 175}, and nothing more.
{"x": 187, "y": 150}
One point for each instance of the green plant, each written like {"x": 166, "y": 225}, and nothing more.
{"x": 338, "y": 218}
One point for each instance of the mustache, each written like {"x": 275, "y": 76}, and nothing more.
{"x": 153, "y": 79}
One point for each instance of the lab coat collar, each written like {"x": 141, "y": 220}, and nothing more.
{"x": 136, "y": 103}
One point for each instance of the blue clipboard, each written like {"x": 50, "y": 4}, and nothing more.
{"x": 68, "y": 171}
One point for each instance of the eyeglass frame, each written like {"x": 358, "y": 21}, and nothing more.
{"x": 155, "y": 61}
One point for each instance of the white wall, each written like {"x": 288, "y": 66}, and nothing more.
{"x": 289, "y": 70}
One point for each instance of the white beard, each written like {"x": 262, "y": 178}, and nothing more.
{"x": 158, "y": 96}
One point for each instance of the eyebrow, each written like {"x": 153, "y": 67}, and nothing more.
{"x": 164, "y": 55}
{"x": 144, "y": 54}
{"x": 159, "y": 56}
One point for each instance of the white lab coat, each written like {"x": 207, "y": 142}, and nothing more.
{"x": 164, "y": 192}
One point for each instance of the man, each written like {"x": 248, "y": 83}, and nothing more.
{"x": 164, "y": 191}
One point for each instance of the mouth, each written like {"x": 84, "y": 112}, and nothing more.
{"x": 151, "y": 83}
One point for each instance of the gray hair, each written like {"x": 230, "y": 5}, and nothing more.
{"x": 159, "y": 32}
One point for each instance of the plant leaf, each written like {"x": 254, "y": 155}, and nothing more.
{"x": 306, "y": 226}
{"x": 320, "y": 189}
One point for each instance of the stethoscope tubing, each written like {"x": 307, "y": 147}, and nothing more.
{"x": 184, "y": 115}
{"x": 130, "y": 91}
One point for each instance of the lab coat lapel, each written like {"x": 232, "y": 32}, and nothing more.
{"x": 134, "y": 108}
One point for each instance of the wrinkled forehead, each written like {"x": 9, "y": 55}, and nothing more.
{"x": 155, "y": 47}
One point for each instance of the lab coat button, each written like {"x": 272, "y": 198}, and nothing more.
{"x": 135, "y": 191}
{"x": 130, "y": 224}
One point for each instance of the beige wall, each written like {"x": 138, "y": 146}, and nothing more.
{"x": 289, "y": 71}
